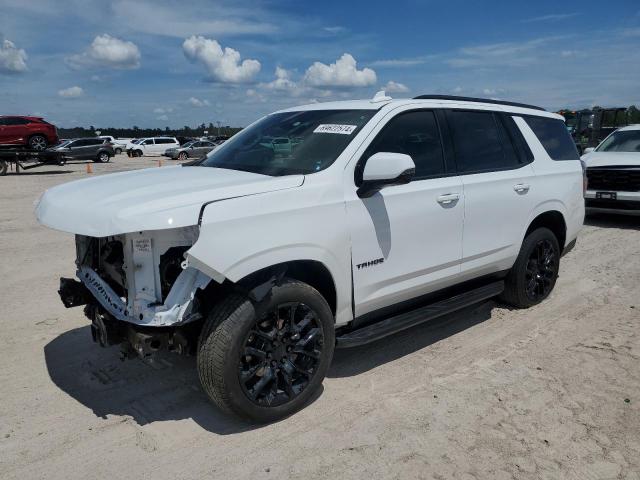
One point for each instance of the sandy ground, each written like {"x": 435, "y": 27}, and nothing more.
{"x": 551, "y": 392}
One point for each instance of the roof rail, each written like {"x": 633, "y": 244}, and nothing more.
{"x": 476, "y": 100}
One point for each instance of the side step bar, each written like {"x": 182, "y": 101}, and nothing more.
{"x": 397, "y": 323}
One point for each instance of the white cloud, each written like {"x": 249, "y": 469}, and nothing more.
{"x": 554, "y": 17}
{"x": 395, "y": 87}
{"x": 342, "y": 73}
{"x": 161, "y": 110}
{"x": 222, "y": 65}
{"x": 163, "y": 18}
{"x": 71, "y": 92}
{"x": 282, "y": 81}
{"x": 12, "y": 59}
{"x": 335, "y": 30}
{"x": 506, "y": 54}
{"x": 458, "y": 89}
{"x": 400, "y": 62}
{"x": 195, "y": 102}
{"x": 163, "y": 118}
{"x": 107, "y": 52}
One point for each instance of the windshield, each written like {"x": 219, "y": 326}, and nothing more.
{"x": 189, "y": 144}
{"x": 621, "y": 141}
{"x": 64, "y": 144}
{"x": 290, "y": 143}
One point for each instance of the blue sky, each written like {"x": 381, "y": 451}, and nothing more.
{"x": 157, "y": 63}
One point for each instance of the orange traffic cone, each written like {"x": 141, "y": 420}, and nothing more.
{"x": 89, "y": 168}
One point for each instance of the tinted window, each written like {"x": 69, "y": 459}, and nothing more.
{"x": 147, "y": 142}
{"x": 415, "y": 134}
{"x": 16, "y": 121}
{"x": 554, "y": 137}
{"x": 481, "y": 142}
{"x": 160, "y": 141}
{"x": 81, "y": 143}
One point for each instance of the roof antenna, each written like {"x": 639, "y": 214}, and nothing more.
{"x": 380, "y": 96}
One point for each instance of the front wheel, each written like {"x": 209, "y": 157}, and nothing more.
{"x": 533, "y": 276}
{"x": 182, "y": 156}
{"x": 118, "y": 151}
{"x": 264, "y": 362}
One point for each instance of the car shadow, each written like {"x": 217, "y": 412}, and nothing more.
{"x": 612, "y": 220}
{"x": 39, "y": 172}
{"x": 349, "y": 362}
{"x": 168, "y": 388}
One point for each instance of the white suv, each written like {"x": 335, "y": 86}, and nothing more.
{"x": 151, "y": 146}
{"x": 613, "y": 172}
{"x": 381, "y": 215}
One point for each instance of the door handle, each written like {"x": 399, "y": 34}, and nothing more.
{"x": 522, "y": 187}
{"x": 448, "y": 198}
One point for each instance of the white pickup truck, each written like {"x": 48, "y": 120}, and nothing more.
{"x": 383, "y": 214}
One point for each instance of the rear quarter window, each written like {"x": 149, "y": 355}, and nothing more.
{"x": 554, "y": 137}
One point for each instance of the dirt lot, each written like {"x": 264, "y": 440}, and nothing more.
{"x": 551, "y": 392}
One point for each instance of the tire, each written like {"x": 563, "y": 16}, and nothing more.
{"x": 298, "y": 350}
{"x": 4, "y": 166}
{"x": 182, "y": 156}
{"x": 534, "y": 274}
{"x": 118, "y": 151}
{"x": 103, "y": 157}
{"x": 37, "y": 142}
{"x": 137, "y": 153}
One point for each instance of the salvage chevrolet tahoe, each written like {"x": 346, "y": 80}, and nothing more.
{"x": 378, "y": 215}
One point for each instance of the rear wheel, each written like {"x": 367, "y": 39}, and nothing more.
{"x": 37, "y": 142}
{"x": 533, "y": 276}
{"x": 4, "y": 166}
{"x": 118, "y": 151}
{"x": 182, "y": 156}
{"x": 265, "y": 362}
{"x": 103, "y": 157}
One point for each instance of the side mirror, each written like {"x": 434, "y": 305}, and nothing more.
{"x": 384, "y": 169}
{"x": 589, "y": 150}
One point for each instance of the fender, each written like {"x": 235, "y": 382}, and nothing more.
{"x": 242, "y": 235}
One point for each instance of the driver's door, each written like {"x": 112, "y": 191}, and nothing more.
{"x": 406, "y": 239}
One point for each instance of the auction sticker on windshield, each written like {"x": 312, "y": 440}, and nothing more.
{"x": 334, "y": 128}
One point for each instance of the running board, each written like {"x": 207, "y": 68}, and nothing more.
{"x": 415, "y": 317}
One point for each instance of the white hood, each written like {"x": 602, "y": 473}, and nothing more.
{"x": 612, "y": 159}
{"x": 149, "y": 199}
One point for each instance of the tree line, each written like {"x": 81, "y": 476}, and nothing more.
{"x": 137, "y": 132}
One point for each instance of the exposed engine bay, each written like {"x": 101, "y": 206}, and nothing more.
{"x": 137, "y": 288}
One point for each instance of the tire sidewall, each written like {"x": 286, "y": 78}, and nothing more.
{"x": 286, "y": 292}
{"x": 528, "y": 245}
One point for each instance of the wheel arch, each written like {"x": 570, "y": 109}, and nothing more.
{"x": 555, "y": 221}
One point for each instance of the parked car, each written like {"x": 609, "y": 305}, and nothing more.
{"x": 119, "y": 144}
{"x": 96, "y": 149}
{"x": 613, "y": 173}
{"x": 197, "y": 149}
{"x": 151, "y": 146}
{"x": 388, "y": 213}
{"x": 32, "y": 132}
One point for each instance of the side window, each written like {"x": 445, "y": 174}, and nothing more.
{"x": 481, "y": 142}
{"x": 147, "y": 142}
{"x": 554, "y": 137}
{"x": 81, "y": 143}
{"x": 415, "y": 134}
{"x": 17, "y": 121}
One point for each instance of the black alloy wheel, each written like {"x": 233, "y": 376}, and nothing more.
{"x": 281, "y": 354}
{"x": 541, "y": 270}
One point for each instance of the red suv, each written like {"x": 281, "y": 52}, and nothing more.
{"x": 32, "y": 132}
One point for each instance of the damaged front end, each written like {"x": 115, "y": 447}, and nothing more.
{"x": 138, "y": 290}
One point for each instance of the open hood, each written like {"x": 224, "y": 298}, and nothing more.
{"x": 612, "y": 159}
{"x": 149, "y": 199}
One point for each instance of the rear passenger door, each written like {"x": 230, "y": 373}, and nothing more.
{"x": 495, "y": 167}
